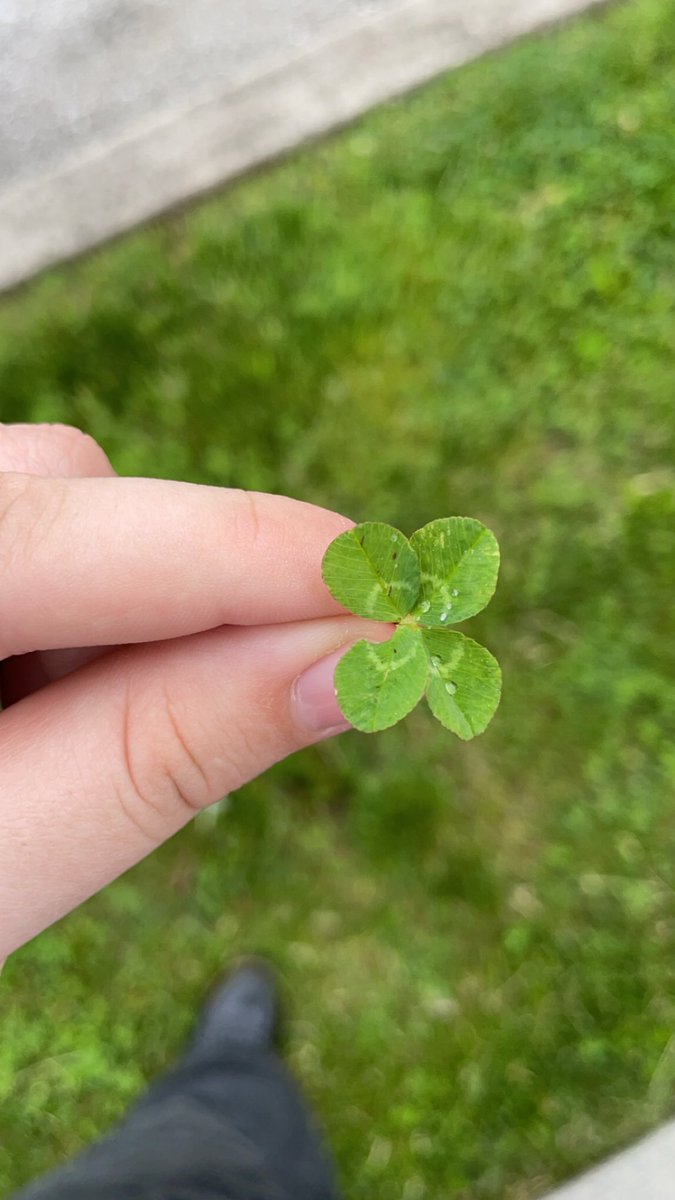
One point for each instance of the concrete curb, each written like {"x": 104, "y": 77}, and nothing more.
{"x": 118, "y": 184}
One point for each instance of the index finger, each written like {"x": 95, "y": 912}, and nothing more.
{"x": 104, "y": 561}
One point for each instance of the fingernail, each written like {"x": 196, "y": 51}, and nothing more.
{"x": 314, "y": 700}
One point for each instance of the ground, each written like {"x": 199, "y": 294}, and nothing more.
{"x": 461, "y": 305}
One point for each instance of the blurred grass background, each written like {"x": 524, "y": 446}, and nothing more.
{"x": 463, "y": 304}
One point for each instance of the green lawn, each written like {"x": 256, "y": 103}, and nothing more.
{"x": 463, "y": 304}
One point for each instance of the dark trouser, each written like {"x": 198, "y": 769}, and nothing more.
{"x": 232, "y": 1129}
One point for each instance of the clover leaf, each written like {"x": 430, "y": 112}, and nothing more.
{"x": 446, "y": 572}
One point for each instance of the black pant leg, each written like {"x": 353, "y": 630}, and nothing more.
{"x": 234, "y": 1129}
{"x": 176, "y": 1150}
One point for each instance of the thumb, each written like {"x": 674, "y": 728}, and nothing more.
{"x": 102, "y": 765}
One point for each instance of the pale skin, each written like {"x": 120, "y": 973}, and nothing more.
{"x": 161, "y": 643}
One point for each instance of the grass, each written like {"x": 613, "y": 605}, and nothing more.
{"x": 463, "y": 304}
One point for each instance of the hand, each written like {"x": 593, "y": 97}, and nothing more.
{"x": 164, "y": 643}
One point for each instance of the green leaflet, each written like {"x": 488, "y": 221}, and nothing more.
{"x": 465, "y": 682}
{"x": 380, "y": 682}
{"x": 373, "y": 571}
{"x": 445, "y": 573}
{"x": 459, "y": 563}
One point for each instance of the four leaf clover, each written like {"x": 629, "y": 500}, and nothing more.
{"x": 446, "y": 572}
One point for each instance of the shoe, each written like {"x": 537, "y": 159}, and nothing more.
{"x": 242, "y": 1010}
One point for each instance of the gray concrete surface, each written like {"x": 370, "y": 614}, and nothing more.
{"x": 76, "y": 71}
{"x": 644, "y": 1172}
{"x": 112, "y": 111}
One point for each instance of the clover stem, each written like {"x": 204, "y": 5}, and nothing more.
{"x": 409, "y": 621}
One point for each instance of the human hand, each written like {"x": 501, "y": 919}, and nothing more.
{"x": 163, "y": 643}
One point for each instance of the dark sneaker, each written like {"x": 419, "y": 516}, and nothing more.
{"x": 243, "y": 1010}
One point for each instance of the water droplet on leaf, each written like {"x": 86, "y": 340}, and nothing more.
{"x": 443, "y": 616}
{"x": 435, "y": 660}
{"x": 425, "y": 606}
{"x": 394, "y": 537}
{"x": 451, "y": 688}
{"x": 455, "y": 592}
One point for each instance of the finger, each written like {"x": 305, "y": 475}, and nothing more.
{"x": 100, "y": 767}
{"x": 50, "y": 450}
{"x": 44, "y": 449}
{"x": 109, "y": 561}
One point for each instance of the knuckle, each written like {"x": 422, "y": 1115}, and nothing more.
{"x": 163, "y": 781}
{"x": 247, "y": 518}
{"x": 51, "y": 450}
{"x": 63, "y": 429}
{"x": 80, "y": 452}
